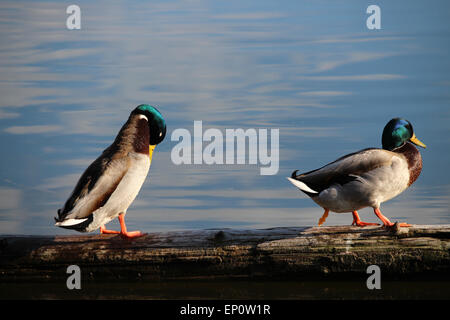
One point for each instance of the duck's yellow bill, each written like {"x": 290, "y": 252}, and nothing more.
{"x": 417, "y": 141}
{"x": 150, "y": 151}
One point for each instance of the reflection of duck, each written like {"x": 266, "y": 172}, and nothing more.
{"x": 110, "y": 184}
{"x": 366, "y": 178}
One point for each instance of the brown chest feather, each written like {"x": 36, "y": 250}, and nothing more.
{"x": 414, "y": 159}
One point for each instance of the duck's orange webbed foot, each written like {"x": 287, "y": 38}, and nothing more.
{"x": 386, "y": 222}
{"x": 132, "y": 234}
{"x": 103, "y": 230}
{"x": 359, "y": 223}
{"x": 123, "y": 229}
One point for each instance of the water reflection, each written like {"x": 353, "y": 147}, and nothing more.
{"x": 310, "y": 69}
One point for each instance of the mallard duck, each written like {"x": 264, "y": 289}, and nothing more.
{"x": 111, "y": 183}
{"x": 368, "y": 177}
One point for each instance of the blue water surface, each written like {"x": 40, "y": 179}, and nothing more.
{"x": 311, "y": 69}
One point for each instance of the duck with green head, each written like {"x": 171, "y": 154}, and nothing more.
{"x": 111, "y": 183}
{"x": 368, "y": 177}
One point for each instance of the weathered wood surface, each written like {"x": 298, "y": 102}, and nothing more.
{"x": 270, "y": 253}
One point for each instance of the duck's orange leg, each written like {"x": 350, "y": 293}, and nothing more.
{"x": 123, "y": 229}
{"x": 386, "y": 222}
{"x": 324, "y": 217}
{"x": 359, "y": 223}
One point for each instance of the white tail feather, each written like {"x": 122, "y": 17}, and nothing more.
{"x": 70, "y": 222}
{"x": 301, "y": 185}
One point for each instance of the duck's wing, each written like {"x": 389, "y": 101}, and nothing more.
{"x": 343, "y": 170}
{"x": 94, "y": 188}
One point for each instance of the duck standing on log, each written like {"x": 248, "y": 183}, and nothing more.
{"x": 111, "y": 183}
{"x": 368, "y": 177}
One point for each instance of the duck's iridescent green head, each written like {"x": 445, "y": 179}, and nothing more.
{"x": 397, "y": 132}
{"x": 156, "y": 122}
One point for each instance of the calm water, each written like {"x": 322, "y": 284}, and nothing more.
{"x": 309, "y": 68}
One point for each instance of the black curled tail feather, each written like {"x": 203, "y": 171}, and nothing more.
{"x": 294, "y": 174}
{"x": 59, "y": 216}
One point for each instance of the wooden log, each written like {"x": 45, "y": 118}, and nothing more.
{"x": 275, "y": 253}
